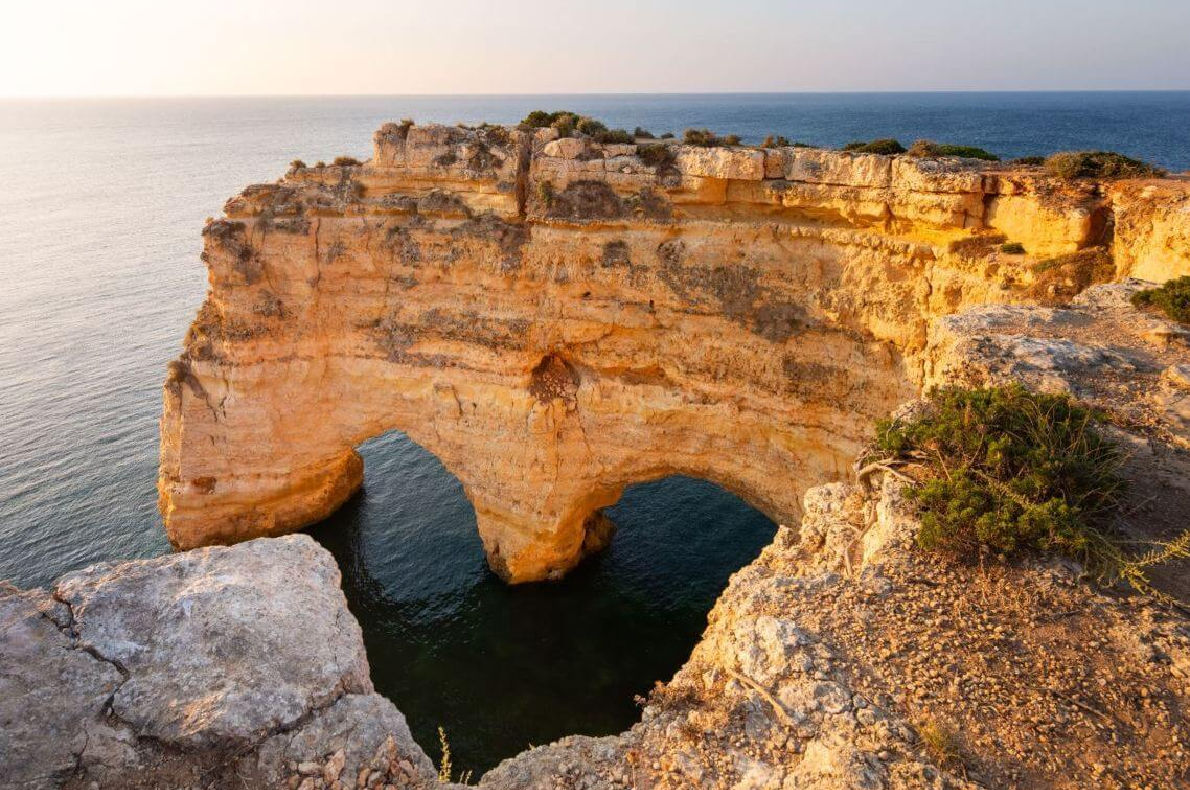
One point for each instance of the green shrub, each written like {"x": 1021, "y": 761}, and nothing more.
{"x": 540, "y": 119}
{"x": 1173, "y": 298}
{"x": 775, "y": 141}
{"x": 667, "y": 136}
{"x": 924, "y": 148}
{"x": 589, "y": 126}
{"x": 346, "y": 161}
{"x": 618, "y": 136}
{"x": 885, "y": 145}
{"x": 1013, "y": 248}
{"x": 1027, "y": 161}
{"x": 643, "y": 134}
{"x": 565, "y": 125}
{"x": 1098, "y": 164}
{"x": 703, "y": 138}
{"x": 730, "y": 139}
{"x": 1010, "y": 469}
{"x": 656, "y": 155}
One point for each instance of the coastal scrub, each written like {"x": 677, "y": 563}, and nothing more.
{"x": 1173, "y": 298}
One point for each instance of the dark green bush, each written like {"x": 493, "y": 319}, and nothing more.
{"x": 667, "y": 136}
{"x": 589, "y": 126}
{"x": 925, "y": 148}
{"x": 1173, "y": 298}
{"x": 345, "y": 161}
{"x": 613, "y": 136}
{"x": 1027, "y": 161}
{"x": 882, "y": 146}
{"x": 704, "y": 138}
{"x": 1013, "y": 248}
{"x": 540, "y": 119}
{"x": 1098, "y": 164}
{"x": 775, "y": 141}
{"x": 643, "y": 134}
{"x": 657, "y": 155}
{"x": 565, "y": 125}
{"x": 1010, "y": 469}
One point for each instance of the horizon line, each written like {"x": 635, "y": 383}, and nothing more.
{"x": 150, "y": 96}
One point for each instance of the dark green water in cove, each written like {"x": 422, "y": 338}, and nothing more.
{"x": 503, "y": 667}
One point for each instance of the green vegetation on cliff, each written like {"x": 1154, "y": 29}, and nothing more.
{"x": 1173, "y": 298}
{"x": 928, "y": 148}
{"x": 1005, "y": 469}
{"x": 1098, "y": 164}
{"x": 886, "y": 145}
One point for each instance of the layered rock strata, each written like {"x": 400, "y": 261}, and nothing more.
{"x": 556, "y": 319}
{"x": 220, "y": 667}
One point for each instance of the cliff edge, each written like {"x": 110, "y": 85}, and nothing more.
{"x": 556, "y": 319}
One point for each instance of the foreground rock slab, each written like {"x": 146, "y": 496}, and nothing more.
{"x": 221, "y": 667}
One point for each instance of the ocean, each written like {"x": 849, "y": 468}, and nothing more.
{"x": 101, "y": 204}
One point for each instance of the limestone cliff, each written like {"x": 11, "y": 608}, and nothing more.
{"x": 556, "y": 319}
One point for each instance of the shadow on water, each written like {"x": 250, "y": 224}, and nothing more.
{"x": 502, "y": 668}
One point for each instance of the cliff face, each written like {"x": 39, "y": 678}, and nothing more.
{"x": 556, "y": 319}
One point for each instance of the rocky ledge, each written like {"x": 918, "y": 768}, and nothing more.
{"x": 214, "y": 668}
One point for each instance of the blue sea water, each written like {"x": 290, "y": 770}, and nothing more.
{"x": 101, "y": 203}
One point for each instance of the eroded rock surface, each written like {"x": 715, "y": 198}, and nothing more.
{"x": 221, "y": 667}
{"x": 556, "y": 319}
{"x": 829, "y": 657}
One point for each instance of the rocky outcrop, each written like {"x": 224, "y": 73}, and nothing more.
{"x": 556, "y": 319}
{"x": 844, "y": 658}
{"x": 221, "y": 667}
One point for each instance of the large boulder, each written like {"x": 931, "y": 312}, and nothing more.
{"x": 236, "y": 660}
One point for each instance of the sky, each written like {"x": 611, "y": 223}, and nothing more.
{"x": 175, "y": 47}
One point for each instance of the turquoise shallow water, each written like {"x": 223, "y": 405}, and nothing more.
{"x": 101, "y": 203}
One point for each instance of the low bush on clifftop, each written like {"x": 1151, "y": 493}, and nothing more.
{"x": 705, "y": 138}
{"x": 883, "y": 146}
{"x": 1006, "y": 469}
{"x": 1173, "y": 299}
{"x": 928, "y": 148}
{"x": 1098, "y": 164}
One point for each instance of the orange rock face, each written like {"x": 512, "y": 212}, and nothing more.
{"x": 556, "y": 319}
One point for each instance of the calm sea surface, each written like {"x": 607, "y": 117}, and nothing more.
{"x": 101, "y": 203}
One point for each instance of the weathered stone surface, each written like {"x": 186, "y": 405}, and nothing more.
{"x": 216, "y": 667}
{"x": 206, "y": 639}
{"x": 826, "y": 659}
{"x": 50, "y": 689}
{"x": 572, "y": 319}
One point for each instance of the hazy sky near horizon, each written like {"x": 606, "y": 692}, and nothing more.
{"x": 168, "y": 47}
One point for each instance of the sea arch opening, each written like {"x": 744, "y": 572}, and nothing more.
{"x": 501, "y": 666}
